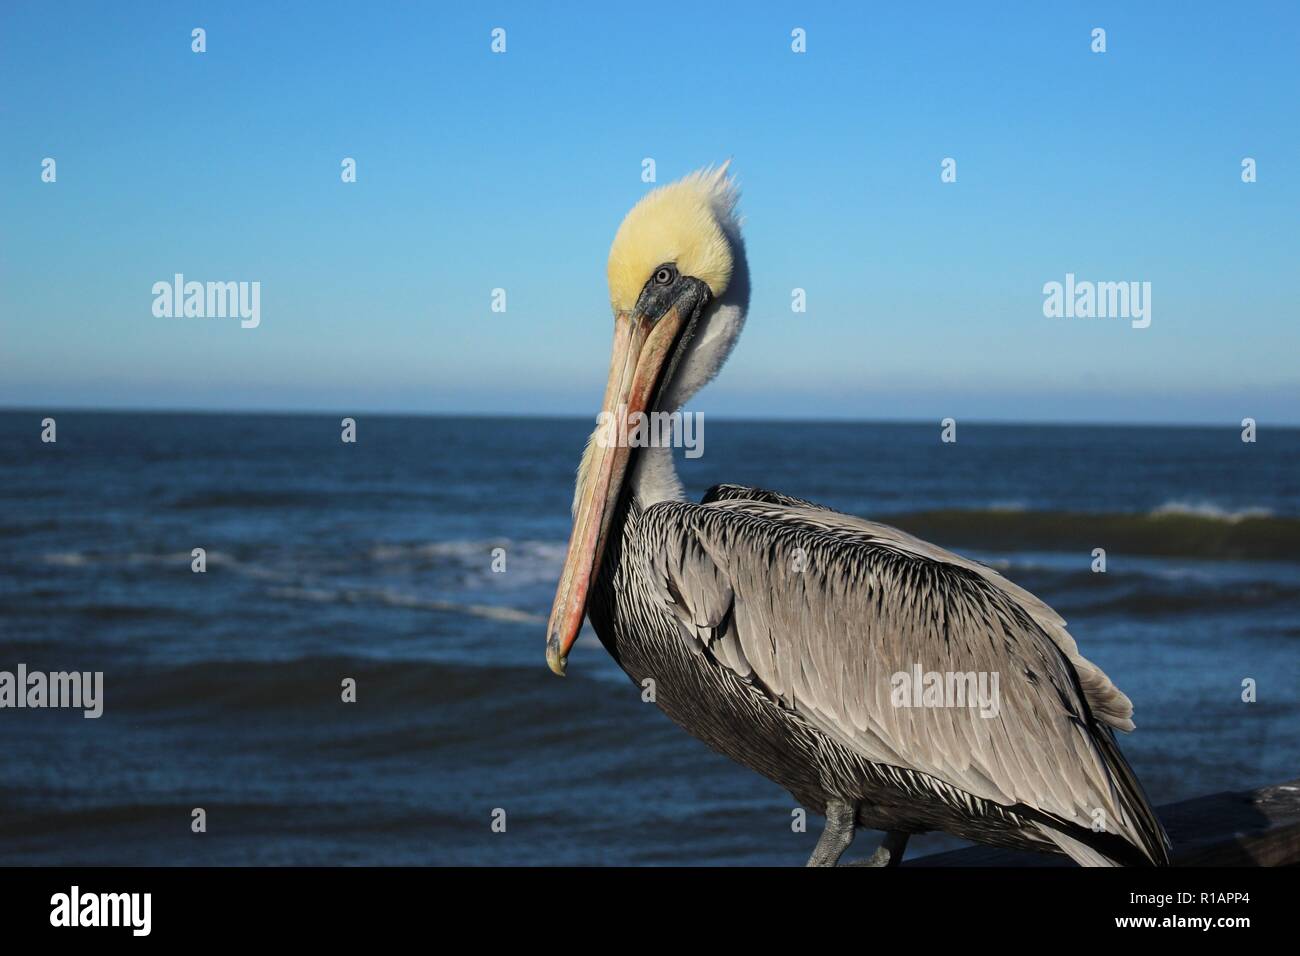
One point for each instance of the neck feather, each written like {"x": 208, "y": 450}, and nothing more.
{"x": 654, "y": 474}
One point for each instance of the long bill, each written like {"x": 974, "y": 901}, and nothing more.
{"x": 642, "y": 349}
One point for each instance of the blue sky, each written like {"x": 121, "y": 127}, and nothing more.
{"x": 478, "y": 171}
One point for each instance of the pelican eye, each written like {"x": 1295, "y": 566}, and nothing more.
{"x": 665, "y": 275}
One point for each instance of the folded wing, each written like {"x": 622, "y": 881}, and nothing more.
{"x": 831, "y": 614}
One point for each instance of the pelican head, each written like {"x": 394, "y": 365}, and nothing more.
{"x": 678, "y": 287}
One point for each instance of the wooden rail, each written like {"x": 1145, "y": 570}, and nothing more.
{"x": 1239, "y": 828}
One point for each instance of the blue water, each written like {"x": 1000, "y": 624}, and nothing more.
{"x": 373, "y": 561}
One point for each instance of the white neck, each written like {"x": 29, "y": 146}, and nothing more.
{"x": 654, "y": 475}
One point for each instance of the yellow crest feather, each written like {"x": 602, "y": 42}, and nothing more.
{"x": 682, "y": 222}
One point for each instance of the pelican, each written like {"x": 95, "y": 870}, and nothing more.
{"x": 775, "y": 629}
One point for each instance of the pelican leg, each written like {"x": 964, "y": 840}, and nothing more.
{"x": 841, "y": 821}
{"x": 889, "y": 853}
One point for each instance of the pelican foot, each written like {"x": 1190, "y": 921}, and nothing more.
{"x": 889, "y": 853}
{"x": 841, "y": 821}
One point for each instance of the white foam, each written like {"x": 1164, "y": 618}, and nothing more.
{"x": 528, "y": 562}
{"x": 400, "y": 599}
{"x": 1207, "y": 509}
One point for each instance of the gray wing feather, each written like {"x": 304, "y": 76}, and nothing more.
{"x": 821, "y": 609}
{"x": 1107, "y": 702}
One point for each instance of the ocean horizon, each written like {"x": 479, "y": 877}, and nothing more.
{"x": 720, "y": 417}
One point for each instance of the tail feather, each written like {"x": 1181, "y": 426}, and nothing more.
{"x": 1152, "y": 839}
{"x": 1136, "y": 839}
{"x": 1081, "y": 853}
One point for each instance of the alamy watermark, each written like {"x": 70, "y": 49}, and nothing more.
{"x": 651, "y": 430}
{"x": 76, "y": 908}
{"x": 75, "y": 689}
{"x": 209, "y": 300}
{"x": 973, "y": 689}
{"x": 1098, "y": 300}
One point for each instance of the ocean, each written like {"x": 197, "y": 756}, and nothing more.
{"x": 374, "y": 561}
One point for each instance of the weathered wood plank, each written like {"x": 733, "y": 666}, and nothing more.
{"x": 1239, "y": 828}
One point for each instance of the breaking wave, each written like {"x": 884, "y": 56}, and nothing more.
{"x": 1175, "y": 529}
